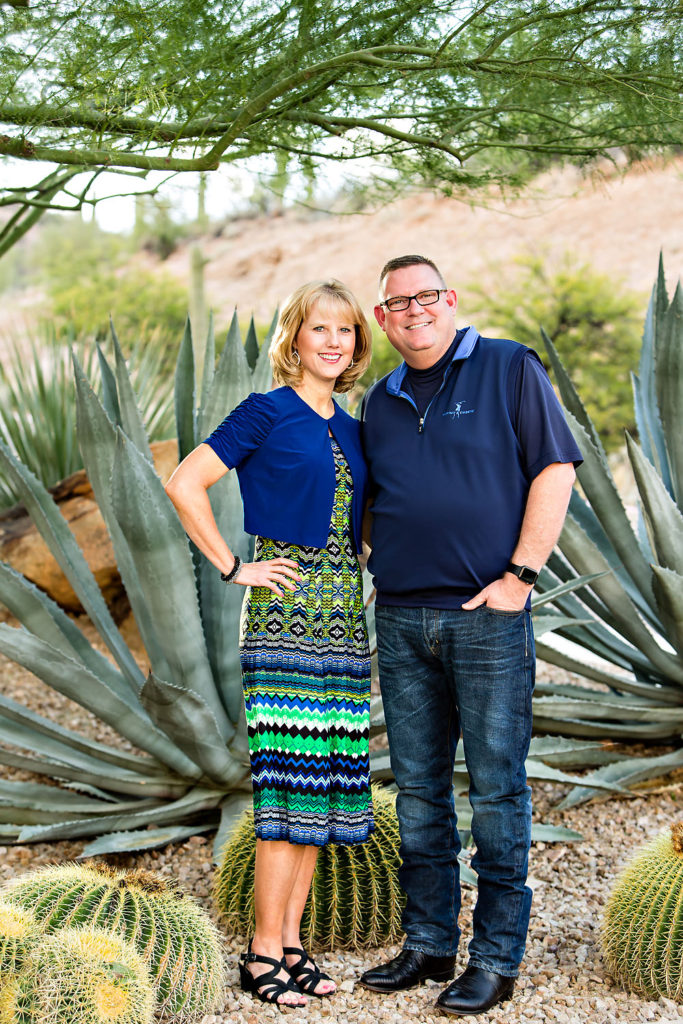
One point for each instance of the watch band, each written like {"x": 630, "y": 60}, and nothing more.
{"x": 524, "y": 572}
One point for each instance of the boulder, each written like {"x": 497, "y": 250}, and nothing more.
{"x": 25, "y": 550}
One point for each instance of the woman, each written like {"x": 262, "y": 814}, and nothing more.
{"x": 304, "y": 647}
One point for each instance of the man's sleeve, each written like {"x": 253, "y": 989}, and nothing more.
{"x": 540, "y": 425}
{"x": 244, "y": 430}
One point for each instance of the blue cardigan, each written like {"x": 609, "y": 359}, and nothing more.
{"x": 281, "y": 450}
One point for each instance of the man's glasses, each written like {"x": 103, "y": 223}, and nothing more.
{"x": 398, "y": 302}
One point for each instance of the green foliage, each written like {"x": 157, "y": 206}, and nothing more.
{"x": 643, "y": 925}
{"x": 430, "y": 93}
{"x": 38, "y": 402}
{"x": 355, "y": 900}
{"x": 631, "y": 616}
{"x": 592, "y": 320}
{"x": 80, "y": 976}
{"x": 19, "y": 931}
{"x": 174, "y": 937}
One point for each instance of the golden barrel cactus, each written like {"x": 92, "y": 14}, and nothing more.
{"x": 174, "y": 935}
{"x": 643, "y": 923}
{"x": 80, "y": 976}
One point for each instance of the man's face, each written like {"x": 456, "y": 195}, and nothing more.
{"x": 421, "y": 334}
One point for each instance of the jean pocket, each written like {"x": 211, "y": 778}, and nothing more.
{"x": 503, "y": 611}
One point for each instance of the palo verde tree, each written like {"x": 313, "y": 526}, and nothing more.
{"x": 439, "y": 93}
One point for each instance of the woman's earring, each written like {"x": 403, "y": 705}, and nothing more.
{"x": 351, "y": 363}
{"x": 295, "y": 353}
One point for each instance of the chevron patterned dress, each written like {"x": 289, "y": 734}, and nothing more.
{"x": 306, "y": 677}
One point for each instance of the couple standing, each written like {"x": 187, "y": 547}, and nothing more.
{"x": 470, "y": 466}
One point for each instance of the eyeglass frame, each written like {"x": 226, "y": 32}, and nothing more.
{"x": 411, "y": 297}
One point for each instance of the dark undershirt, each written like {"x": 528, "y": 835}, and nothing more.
{"x": 424, "y": 384}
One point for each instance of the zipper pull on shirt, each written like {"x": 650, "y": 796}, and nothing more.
{"x": 420, "y": 424}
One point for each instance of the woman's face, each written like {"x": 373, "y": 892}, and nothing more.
{"x": 326, "y": 341}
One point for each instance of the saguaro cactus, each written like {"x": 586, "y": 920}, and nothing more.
{"x": 80, "y": 976}
{"x": 643, "y": 925}
{"x": 355, "y": 898}
{"x": 173, "y": 934}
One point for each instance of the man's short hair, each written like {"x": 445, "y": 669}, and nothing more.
{"x": 399, "y": 262}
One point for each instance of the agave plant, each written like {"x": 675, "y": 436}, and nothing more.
{"x": 189, "y": 771}
{"x": 37, "y": 408}
{"x": 631, "y": 615}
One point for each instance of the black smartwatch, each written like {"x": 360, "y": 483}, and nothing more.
{"x": 525, "y": 573}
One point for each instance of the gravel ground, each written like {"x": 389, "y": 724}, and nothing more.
{"x": 562, "y": 979}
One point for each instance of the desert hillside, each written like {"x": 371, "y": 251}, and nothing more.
{"x": 616, "y": 222}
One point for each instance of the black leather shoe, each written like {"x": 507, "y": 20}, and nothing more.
{"x": 409, "y": 968}
{"x": 475, "y": 991}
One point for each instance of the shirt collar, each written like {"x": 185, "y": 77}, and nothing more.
{"x": 463, "y": 350}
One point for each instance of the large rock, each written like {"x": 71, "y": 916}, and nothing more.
{"x": 22, "y": 546}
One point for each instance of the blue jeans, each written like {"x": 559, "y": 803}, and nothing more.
{"x": 443, "y": 671}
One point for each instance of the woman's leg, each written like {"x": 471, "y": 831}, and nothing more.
{"x": 295, "y": 909}
{"x": 275, "y": 874}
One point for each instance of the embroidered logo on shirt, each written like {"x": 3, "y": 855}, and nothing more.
{"x": 458, "y": 411}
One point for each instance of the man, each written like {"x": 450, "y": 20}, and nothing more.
{"x": 472, "y": 465}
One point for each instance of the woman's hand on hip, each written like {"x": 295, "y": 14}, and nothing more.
{"x": 272, "y": 573}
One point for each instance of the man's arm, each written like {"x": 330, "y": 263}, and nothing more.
{"x": 544, "y": 515}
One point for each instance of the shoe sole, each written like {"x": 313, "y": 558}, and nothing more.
{"x": 472, "y": 1013}
{"x": 447, "y": 976}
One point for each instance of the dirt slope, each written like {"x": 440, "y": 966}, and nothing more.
{"x": 617, "y": 223}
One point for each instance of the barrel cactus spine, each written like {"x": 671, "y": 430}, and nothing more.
{"x": 80, "y": 976}
{"x": 171, "y": 932}
{"x": 643, "y": 923}
{"x": 355, "y": 900}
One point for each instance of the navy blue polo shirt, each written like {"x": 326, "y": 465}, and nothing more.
{"x": 449, "y": 488}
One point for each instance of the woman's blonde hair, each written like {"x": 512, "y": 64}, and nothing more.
{"x": 286, "y": 369}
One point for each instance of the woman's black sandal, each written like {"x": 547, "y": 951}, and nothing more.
{"x": 306, "y": 977}
{"x": 266, "y": 986}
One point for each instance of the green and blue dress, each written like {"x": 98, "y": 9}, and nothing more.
{"x": 306, "y": 676}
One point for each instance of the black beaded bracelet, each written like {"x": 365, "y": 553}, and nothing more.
{"x": 229, "y": 577}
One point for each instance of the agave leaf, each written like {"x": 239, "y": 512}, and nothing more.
{"x": 647, "y": 407}
{"x": 669, "y": 378}
{"x": 43, "y": 617}
{"x": 598, "y": 485}
{"x": 662, "y": 694}
{"x": 586, "y": 558}
{"x": 545, "y": 596}
{"x": 536, "y": 770}
{"x": 196, "y": 802}
{"x": 232, "y": 809}
{"x": 262, "y": 376}
{"x": 131, "y": 420}
{"x": 642, "y": 732}
{"x": 467, "y": 875}
{"x": 584, "y": 515}
{"x": 221, "y": 604}
{"x": 97, "y": 437}
{"x": 554, "y": 834}
{"x": 662, "y": 516}
{"x": 159, "y": 545}
{"x": 49, "y": 804}
{"x": 572, "y": 402}
{"x": 669, "y": 594}
{"x": 611, "y": 707}
{"x": 548, "y": 623}
{"x": 72, "y": 679}
{"x": 209, "y": 360}
{"x": 626, "y": 773}
{"x": 188, "y": 718}
{"x": 568, "y": 752}
{"x": 142, "y": 839}
{"x": 185, "y": 415}
{"x": 59, "y": 759}
{"x": 110, "y": 397}
{"x": 55, "y": 532}
{"x": 11, "y": 710}
{"x": 231, "y": 383}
